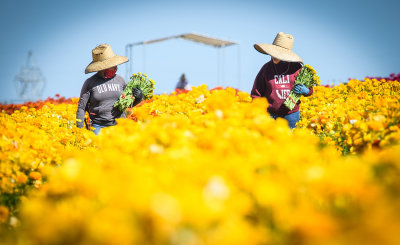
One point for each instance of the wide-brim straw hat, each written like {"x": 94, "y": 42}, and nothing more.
{"x": 104, "y": 58}
{"x": 281, "y": 48}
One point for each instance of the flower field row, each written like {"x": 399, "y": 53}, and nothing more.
{"x": 356, "y": 116}
{"x": 10, "y": 108}
{"x": 207, "y": 167}
{"x": 392, "y": 77}
{"x": 32, "y": 139}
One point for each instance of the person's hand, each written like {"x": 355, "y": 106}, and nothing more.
{"x": 138, "y": 94}
{"x": 301, "y": 89}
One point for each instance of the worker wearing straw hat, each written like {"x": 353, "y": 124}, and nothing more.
{"x": 276, "y": 78}
{"x": 102, "y": 90}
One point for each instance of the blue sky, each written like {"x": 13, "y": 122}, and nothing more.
{"x": 341, "y": 39}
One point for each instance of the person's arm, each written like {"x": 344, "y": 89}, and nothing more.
{"x": 259, "y": 86}
{"x": 83, "y": 100}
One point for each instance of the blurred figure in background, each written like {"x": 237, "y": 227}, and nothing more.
{"x": 183, "y": 84}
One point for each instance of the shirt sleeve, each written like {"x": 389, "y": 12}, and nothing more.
{"x": 118, "y": 113}
{"x": 310, "y": 91}
{"x": 83, "y": 100}
{"x": 259, "y": 87}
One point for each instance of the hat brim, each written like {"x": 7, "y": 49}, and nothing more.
{"x": 105, "y": 64}
{"x": 277, "y": 52}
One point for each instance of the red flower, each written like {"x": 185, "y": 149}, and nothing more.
{"x": 376, "y": 143}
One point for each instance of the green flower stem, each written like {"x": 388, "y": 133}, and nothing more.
{"x": 305, "y": 77}
{"x": 137, "y": 81}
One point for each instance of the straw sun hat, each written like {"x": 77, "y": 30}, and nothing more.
{"x": 104, "y": 58}
{"x": 281, "y": 48}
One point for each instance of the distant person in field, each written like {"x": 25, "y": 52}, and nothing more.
{"x": 102, "y": 90}
{"x": 276, "y": 78}
{"x": 183, "y": 83}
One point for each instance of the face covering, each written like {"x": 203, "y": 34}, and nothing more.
{"x": 109, "y": 73}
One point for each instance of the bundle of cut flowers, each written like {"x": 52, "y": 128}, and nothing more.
{"x": 308, "y": 77}
{"x": 140, "y": 81}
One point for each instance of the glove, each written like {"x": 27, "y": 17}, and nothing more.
{"x": 301, "y": 89}
{"x": 138, "y": 94}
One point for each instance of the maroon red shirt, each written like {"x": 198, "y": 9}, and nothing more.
{"x": 274, "y": 82}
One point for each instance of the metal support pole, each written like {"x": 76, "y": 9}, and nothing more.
{"x": 128, "y": 53}
{"x": 130, "y": 63}
{"x": 222, "y": 65}
{"x": 218, "y": 66}
{"x": 144, "y": 58}
{"x": 127, "y": 65}
{"x": 238, "y": 63}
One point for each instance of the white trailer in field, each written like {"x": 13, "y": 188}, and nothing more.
{"x": 214, "y": 42}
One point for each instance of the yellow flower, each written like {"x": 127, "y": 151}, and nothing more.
{"x": 208, "y": 167}
{"x": 22, "y": 178}
{"x": 375, "y": 125}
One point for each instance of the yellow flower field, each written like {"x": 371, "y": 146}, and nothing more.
{"x": 354, "y": 117}
{"x": 33, "y": 139}
{"x": 207, "y": 167}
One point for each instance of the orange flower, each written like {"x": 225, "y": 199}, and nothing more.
{"x": 3, "y": 214}
{"x": 375, "y": 125}
{"x": 35, "y": 175}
